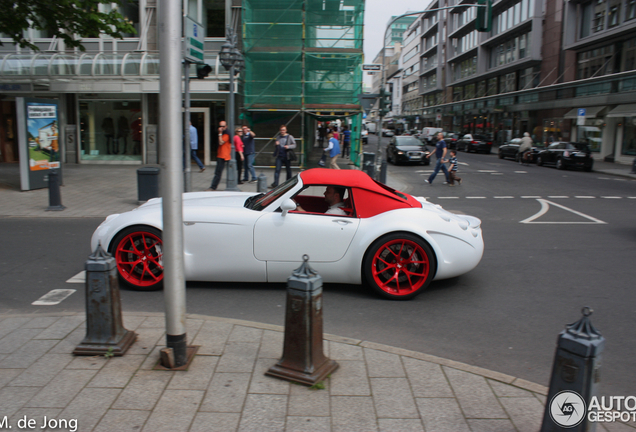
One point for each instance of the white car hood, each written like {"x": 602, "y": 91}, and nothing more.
{"x": 215, "y": 199}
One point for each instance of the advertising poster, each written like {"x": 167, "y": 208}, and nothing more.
{"x": 39, "y": 141}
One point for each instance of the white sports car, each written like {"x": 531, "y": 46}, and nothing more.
{"x": 392, "y": 242}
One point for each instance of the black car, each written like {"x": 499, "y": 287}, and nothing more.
{"x": 566, "y": 155}
{"x": 510, "y": 150}
{"x": 406, "y": 149}
{"x": 476, "y": 143}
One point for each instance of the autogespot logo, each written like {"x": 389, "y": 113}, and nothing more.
{"x": 567, "y": 409}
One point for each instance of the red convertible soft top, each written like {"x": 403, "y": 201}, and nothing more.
{"x": 357, "y": 179}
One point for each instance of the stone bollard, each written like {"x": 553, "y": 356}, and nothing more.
{"x": 303, "y": 360}
{"x": 55, "y": 197}
{"x": 261, "y": 186}
{"x": 575, "y": 377}
{"x": 105, "y": 333}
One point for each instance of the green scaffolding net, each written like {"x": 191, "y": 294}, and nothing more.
{"x": 304, "y": 55}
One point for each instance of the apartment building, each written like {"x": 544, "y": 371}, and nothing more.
{"x": 555, "y": 69}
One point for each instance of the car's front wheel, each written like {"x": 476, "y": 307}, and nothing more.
{"x": 539, "y": 161}
{"x": 559, "y": 164}
{"x": 138, "y": 252}
{"x": 399, "y": 266}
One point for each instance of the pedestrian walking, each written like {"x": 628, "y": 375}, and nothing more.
{"x": 223, "y": 154}
{"x": 238, "y": 151}
{"x": 440, "y": 152}
{"x": 452, "y": 168}
{"x": 284, "y": 144}
{"x": 334, "y": 151}
{"x": 346, "y": 141}
{"x": 194, "y": 146}
{"x": 249, "y": 152}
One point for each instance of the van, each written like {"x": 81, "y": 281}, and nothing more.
{"x": 428, "y": 133}
{"x": 371, "y": 127}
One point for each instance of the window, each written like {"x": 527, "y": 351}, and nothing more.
{"x": 614, "y": 15}
{"x": 214, "y": 11}
{"x": 492, "y": 86}
{"x": 630, "y": 10}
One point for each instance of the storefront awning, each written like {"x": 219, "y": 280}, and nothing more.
{"x": 590, "y": 112}
{"x": 628, "y": 110}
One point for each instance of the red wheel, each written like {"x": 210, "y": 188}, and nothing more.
{"x": 399, "y": 266}
{"x": 139, "y": 255}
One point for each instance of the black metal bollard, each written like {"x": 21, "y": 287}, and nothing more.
{"x": 261, "y": 186}
{"x": 55, "y": 198}
{"x": 383, "y": 168}
{"x": 575, "y": 377}
{"x": 633, "y": 167}
{"x": 303, "y": 359}
{"x": 105, "y": 333}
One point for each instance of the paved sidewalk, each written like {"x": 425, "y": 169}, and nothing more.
{"x": 376, "y": 388}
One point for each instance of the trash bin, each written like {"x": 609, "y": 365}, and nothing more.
{"x": 368, "y": 163}
{"x": 147, "y": 183}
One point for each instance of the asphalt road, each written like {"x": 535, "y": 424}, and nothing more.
{"x": 505, "y": 315}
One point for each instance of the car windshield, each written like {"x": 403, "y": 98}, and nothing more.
{"x": 408, "y": 140}
{"x": 260, "y": 201}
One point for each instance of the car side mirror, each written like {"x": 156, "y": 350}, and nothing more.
{"x": 287, "y": 206}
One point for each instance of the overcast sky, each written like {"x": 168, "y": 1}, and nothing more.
{"x": 377, "y": 14}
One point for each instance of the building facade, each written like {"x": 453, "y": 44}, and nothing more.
{"x": 108, "y": 94}
{"x": 555, "y": 69}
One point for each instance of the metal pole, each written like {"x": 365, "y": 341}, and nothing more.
{"x": 171, "y": 133}
{"x": 186, "y": 128}
{"x": 231, "y": 168}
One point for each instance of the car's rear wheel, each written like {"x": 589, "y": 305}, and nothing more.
{"x": 399, "y": 266}
{"x": 138, "y": 253}
{"x": 500, "y": 154}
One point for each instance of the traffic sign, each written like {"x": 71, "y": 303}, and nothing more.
{"x": 371, "y": 67}
{"x": 194, "y": 35}
{"x": 580, "y": 120}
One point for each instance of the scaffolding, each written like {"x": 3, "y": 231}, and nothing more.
{"x": 303, "y": 62}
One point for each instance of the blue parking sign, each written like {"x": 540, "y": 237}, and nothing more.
{"x": 581, "y": 112}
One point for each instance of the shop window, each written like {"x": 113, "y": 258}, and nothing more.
{"x": 629, "y": 137}
{"x": 110, "y": 130}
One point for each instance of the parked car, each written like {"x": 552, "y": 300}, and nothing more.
{"x": 407, "y": 149}
{"x": 392, "y": 242}
{"x": 388, "y": 132}
{"x": 451, "y": 140}
{"x": 510, "y": 150}
{"x": 566, "y": 155}
{"x": 476, "y": 143}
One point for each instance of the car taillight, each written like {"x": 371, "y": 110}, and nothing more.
{"x": 473, "y": 142}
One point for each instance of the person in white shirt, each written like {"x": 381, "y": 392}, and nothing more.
{"x": 333, "y": 197}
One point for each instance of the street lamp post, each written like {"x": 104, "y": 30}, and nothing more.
{"x": 232, "y": 60}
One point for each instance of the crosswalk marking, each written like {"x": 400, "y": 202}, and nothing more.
{"x": 53, "y": 297}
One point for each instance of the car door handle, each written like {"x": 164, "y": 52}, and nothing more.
{"x": 341, "y": 221}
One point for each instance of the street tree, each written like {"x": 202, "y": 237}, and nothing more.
{"x": 70, "y": 20}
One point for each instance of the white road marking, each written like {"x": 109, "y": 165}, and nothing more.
{"x": 611, "y": 197}
{"x": 447, "y": 197}
{"x": 487, "y": 171}
{"x": 53, "y": 297}
{"x": 631, "y": 197}
{"x": 545, "y": 206}
{"x": 462, "y": 163}
{"x": 78, "y": 278}
{"x": 604, "y": 178}
{"x": 521, "y": 172}
{"x": 557, "y": 196}
{"x": 496, "y": 173}
{"x": 530, "y": 197}
{"x": 503, "y": 197}
{"x": 476, "y": 197}
{"x": 584, "y": 197}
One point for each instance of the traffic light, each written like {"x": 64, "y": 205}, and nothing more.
{"x": 385, "y": 102}
{"x": 203, "y": 70}
{"x": 483, "y": 23}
